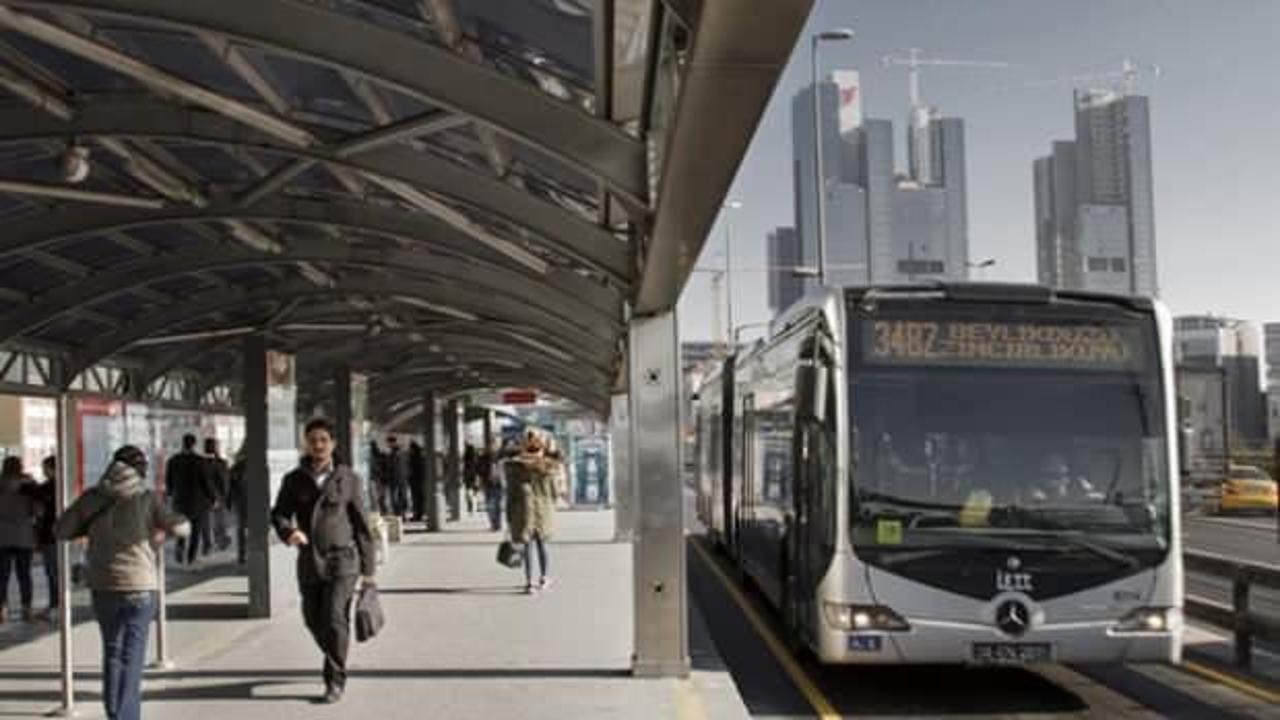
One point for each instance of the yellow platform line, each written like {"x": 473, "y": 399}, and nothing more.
{"x": 824, "y": 709}
{"x": 1233, "y": 682}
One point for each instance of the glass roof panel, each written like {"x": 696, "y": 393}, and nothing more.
{"x": 167, "y": 238}
{"x": 89, "y": 77}
{"x": 309, "y": 87}
{"x": 70, "y": 330}
{"x": 212, "y": 163}
{"x": 402, "y": 15}
{"x": 98, "y": 252}
{"x": 30, "y": 277}
{"x": 182, "y": 55}
{"x": 122, "y": 305}
{"x": 555, "y": 35}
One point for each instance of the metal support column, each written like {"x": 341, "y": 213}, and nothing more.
{"x": 66, "y": 463}
{"x": 453, "y": 459}
{"x": 342, "y": 414}
{"x": 623, "y": 492}
{"x": 661, "y": 613}
{"x": 162, "y": 661}
{"x": 488, "y": 429}
{"x": 257, "y": 480}
{"x": 431, "y": 493}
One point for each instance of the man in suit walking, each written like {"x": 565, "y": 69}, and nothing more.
{"x": 320, "y": 511}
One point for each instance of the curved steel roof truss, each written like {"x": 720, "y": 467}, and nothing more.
{"x": 207, "y": 304}
{"x": 143, "y": 119}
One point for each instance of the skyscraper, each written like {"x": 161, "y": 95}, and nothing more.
{"x": 1272, "y": 335}
{"x": 882, "y": 226}
{"x": 784, "y": 257}
{"x": 1234, "y": 346}
{"x": 1095, "y": 222}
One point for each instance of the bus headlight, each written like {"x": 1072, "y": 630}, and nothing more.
{"x": 863, "y": 617}
{"x": 1148, "y": 620}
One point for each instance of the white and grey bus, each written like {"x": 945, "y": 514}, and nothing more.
{"x": 967, "y": 473}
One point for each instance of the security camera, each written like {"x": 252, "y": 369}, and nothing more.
{"x": 75, "y": 164}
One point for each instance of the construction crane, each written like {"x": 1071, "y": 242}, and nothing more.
{"x": 1123, "y": 80}
{"x": 919, "y": 138}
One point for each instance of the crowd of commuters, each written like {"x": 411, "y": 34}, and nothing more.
{"x": 320, "y": 510}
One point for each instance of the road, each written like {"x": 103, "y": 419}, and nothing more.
{"x": 1244, "y": 538}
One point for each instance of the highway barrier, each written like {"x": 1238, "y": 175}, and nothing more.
{"x": 1237, "y": 616}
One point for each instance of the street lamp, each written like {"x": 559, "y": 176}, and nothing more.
{"x": 820, "y": 188}
{"x": 729, "y": 206}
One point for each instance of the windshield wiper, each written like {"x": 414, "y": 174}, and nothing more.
{"x": 1078, "y": 542}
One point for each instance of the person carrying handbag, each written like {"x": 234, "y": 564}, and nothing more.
{"x": 320, "y": 511}
{"x": 126, "y": 525}
{"x": 531, "y": 508}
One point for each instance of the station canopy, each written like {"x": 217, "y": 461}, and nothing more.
{"x": 441, "y": 194}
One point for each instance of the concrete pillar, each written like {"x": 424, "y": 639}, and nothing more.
{"x": 661, "y": 613}
{"x": 257, "y": 479}
{"x": 342, "y": 415}
{"x": 453, "y": 459}
{"x": 432, "y": 490}
{"x": 623, "y": 492}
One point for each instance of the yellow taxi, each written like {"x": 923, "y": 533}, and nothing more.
{"x": 1248, "y": 489}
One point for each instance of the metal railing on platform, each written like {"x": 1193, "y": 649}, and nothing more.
{"x": 1247, "y": 624}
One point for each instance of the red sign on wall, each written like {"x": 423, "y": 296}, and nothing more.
{"x": 519, "y": 397}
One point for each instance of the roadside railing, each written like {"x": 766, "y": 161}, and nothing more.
{"x": 1246, "y": 623}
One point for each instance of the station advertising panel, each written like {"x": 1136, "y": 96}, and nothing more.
{"x": 100, "y": 430}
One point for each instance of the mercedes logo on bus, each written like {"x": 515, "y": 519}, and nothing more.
{"x": 1013, "y": 618}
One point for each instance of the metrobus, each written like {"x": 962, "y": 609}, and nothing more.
{"x": 953, "y": 473}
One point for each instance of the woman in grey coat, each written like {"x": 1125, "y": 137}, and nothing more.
{"x": 18, "y": 511}
{"x": 126, "y": 524}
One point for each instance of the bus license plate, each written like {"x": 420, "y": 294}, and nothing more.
{"x": 1012, "y": 653}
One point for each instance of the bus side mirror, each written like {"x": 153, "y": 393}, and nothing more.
{"x": 812, "y": 392}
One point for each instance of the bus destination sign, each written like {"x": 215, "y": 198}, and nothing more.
{"x": 1002, "y": 344}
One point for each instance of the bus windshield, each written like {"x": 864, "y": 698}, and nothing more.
{"x": 1035, "y": 434}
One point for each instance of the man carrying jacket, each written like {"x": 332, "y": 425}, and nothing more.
{"x": 319, "y": 511}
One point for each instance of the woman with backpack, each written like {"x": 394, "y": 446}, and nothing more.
{"x": 126, "y": 524}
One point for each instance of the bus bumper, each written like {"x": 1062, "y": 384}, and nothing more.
{"x": 938, "y": 642}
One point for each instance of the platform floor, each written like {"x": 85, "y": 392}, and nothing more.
{"x": 462, "y": 641}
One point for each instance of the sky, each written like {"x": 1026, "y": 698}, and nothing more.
{"x": 1215, "y": 124}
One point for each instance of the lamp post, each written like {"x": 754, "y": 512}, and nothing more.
{"x": 820, "y": 187}
{"x": 729, "y": 206}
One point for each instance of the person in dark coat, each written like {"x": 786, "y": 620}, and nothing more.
{"x": 397, "y": 472}
{"x": 220, "y": 479}
{"x": 237, "y": 497}
{"x": 470, "y": 481}
{"x": 491, "y": 485}
{"x": 319, "y": 510}
{"x": 18, "y": 513}
{"x": 417, "y": 480}
{"x": 46, "y": 542}
{"x": 193, "y": 494}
